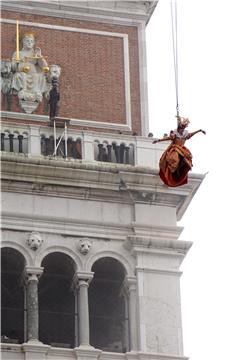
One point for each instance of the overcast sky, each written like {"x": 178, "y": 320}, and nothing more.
{"x": 209, "y": 94}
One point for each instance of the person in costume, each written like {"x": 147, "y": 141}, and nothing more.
{"x": 176, "y": 161}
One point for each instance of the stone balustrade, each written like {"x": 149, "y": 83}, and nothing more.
{"x": 13, "y": 141}
{"x": 88, "y": 146}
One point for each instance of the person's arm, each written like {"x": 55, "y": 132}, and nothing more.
{"x": 171, "y": 137}
{"x": 195, "y": 132}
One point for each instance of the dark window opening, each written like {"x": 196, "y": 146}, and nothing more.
{"x": 56, "y": 301}
{"x": 107, "y": 308}
{"x": 12, "y": 296}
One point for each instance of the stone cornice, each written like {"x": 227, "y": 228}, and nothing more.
{"x": 94, "y": 180}
{"x": 116, "y": 12}
{"x": 166, "y": 247}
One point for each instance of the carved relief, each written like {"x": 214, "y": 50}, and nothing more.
{"x": 84, "y": 246}
{"x": 34, "y": 240}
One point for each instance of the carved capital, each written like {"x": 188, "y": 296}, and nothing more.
{"x": 82, "y": 279}
{"x": 32, "y": 273}
{"x": 130, "y": 283}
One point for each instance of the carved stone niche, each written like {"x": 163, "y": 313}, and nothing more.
{"x": 34, "y": 240}
{"x": 84, "y": 245}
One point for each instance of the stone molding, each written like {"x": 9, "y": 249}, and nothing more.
{"x": 162, "y": 271}
{"x": 96, "y": 175}
{"x": 74, "y": 122}
{"x": 87, "y": 352}
{"x": 170, "y": 247}
{"x": 127, "y": 16}
{"x": 65, "y": 354}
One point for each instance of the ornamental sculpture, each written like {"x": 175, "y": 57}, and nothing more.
{"x": 34, "y": 240}
{"x": 84, "y": 246}
{"x": 31, "y": 79}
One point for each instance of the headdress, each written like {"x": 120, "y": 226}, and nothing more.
{"x": 28, "y": 33}
{"x": 182, "y": 121}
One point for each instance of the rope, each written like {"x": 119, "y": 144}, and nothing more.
{"x": 175, "y": 47}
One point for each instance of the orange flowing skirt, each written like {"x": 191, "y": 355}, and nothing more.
{"x": 174, "y": 165}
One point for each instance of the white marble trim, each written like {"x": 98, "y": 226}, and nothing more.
{"x": 77, "y": 122}
{"x": 64, "y": 28}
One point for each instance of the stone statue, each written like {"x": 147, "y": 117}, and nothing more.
{"x": 54, "y": 98}
{"x": 6, "y": 82}
{"x": 34, "y": 240}
{"x": 28, "y": 76}
{"x": 54, "y": 73}
{"x": 29, "y": 72}
{"x": 6, "y": 76}
{"x": 84, "y": 246}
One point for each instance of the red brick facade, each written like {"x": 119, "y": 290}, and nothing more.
{"x": 92, "y": 85}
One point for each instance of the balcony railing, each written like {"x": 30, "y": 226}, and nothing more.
{"x": 14, "y": 142}
{"x": 90, "y": 146}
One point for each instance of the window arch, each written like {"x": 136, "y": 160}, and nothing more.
{"x": 12, "y": 295}
{"x": 107, "y": 306}
{"x": 56, "y": 301}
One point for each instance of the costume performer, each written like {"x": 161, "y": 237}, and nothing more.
{"x": 176, "y": 161}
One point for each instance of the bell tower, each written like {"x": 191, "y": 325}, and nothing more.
{"x": 90, "y": 242}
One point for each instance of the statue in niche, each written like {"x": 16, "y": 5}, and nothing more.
{"x": 176, "y": 161}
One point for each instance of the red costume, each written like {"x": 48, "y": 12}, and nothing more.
{"x": 176, "y": 161}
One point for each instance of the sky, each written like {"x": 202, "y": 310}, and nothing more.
{"x": 209, "y": 94}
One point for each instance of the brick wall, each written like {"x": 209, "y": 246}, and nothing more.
{"x": 92, "y": 78}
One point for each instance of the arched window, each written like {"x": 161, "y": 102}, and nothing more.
{"x": 107, "y": 306}
{"x": 56, "y": 301}
{"x": 12, "y": 294}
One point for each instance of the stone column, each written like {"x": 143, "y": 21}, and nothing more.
{"x": 84, "y": 350}
{"x": 33, "y": 349}
{"x": 131, "y": 283}
{"x": 81, "y": 282}
{"x": 32, "y": 275}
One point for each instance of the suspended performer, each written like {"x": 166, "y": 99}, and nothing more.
{"x": 176, "y": 161}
